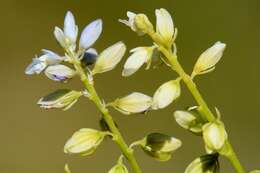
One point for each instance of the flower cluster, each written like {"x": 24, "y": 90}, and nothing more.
{"x": 84, "y": 61}
{"x": 81, "y": 59}
{"x": 165, "y": 49}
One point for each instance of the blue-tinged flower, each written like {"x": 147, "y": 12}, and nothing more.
{"x": 70, "y": 27}
{"x": 35, "y": 67}
{"x": 59, "y": 73}
{"x": 40, "y": 63}
{"x": 68, "y": 36}
{"x": 89, "y": 57}
{"x": 90, "y": 34}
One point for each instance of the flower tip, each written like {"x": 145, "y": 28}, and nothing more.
{"x": 220, "y": 44}
{"x": 69, "y": 13}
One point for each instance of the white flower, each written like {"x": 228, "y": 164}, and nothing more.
{"x": 35, "y": 67}
{"x": 68, "y": 36}
{"x": 214, "y": 135}
{"x": 59, "y": 72}
{"x": 164, "y": 25}
{"x": 133, "y": 103}
{"x": 140, "y": 56}
{"x": 62, "y": 98}
{"x": 40, "y": 63}
{"x": 208, "y": 59}
{"x": 109, "y": 58}
{"x": 90, "y": 34}
{"x": 166, "y": 94}
{"x": 84, "y": 142}
{"x": 130, "y": 22}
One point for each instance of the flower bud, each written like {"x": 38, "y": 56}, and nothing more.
{"x": 133, "y": 103}
{"x": 118, "y": 168}
{"x": 208, "y": 59}
{"x": 214, "y": 135}
{"x": 160, "y": 146}
{"x": 62, "y": 98}
{"x": 188, "y": 121}
{"x": 166, "y": 94}
{"x": 109, "y": 58}
{"x": 143, "y": 24}
{"x": 84, "y": 142}
{"x": 164, "y": 25}
{"x": 140, "y": 56}
{"x": 59, "y": 73}
{"x": 204, "y": 164}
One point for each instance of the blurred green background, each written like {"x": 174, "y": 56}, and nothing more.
{"x": 32, "y": 139}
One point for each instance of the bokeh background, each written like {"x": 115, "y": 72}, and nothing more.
{"x": 32, "y": 139}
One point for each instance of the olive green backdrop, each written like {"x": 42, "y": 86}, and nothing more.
{"x": 32, "y": 139}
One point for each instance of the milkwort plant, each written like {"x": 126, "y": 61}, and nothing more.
{"x": 87, "y": 63}
{"x": 81, "y": 56}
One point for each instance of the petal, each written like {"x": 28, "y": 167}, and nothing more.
{"x": 109, "y": 58}
{"x": 134, "y": 62}
{"x": 164, "y": 24}
{"x": 60, "y": 37}
{"x": 90, "y": 34}
{"x": 70, "y": 28}
{"x": 50, "y": 57}
{"x": 35, "y": 67}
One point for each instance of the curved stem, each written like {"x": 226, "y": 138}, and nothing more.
{"x": 128, "y": 153}
{"x": 206, "y": 112}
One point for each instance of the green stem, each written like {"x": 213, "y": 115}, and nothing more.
{"x": 206, "y": 112}
{"x": 128, "y": 153}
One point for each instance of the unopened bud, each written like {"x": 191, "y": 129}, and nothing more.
{"x": 62, "y": 98}
{"x": 84, "y": 142}
{"x": 204, "y": 164}
{"x": 214, "y": 135}
{"x": 143, "y": 24}
{"x": 160, "y": 146}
